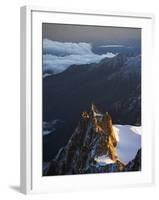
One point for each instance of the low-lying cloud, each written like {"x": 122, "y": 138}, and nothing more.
{"x": 66, "y": 48}
{"x": 112, "y": 46}
{"x": 58, "y": 56}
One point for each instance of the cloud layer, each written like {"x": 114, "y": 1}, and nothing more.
{"x": 112, "y": 45}
{"x": 58, "y": 56}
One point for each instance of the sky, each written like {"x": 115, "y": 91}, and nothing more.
{"x": 96, "y": 35}
{"x": 66, "y": 45}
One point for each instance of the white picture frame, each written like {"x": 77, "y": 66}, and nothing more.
{"x": 31, "y": 100}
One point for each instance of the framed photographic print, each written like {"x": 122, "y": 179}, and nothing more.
{"x": 86, "y": 100}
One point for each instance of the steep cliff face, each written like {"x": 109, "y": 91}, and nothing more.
{"x": 91, "y": 148}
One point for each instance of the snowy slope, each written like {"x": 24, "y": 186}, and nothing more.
{"x": 103, "y": 160}
{"x": 129, "y": 141}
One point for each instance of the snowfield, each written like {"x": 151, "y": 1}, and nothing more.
{"x": 128, "y": 141}
{"x": 47, "y": 132}
{"x": 103, "y": 160}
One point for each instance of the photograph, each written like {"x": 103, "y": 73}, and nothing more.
{"x": 91, "y": 99}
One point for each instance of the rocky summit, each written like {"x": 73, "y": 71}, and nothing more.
{"x": 91, "y": 148}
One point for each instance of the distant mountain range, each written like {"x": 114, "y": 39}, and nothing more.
{"x": 114, "y": 84}
{"x": 59, "y": 56}
{"x": 129, "y": 51}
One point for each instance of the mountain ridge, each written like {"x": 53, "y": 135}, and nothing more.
{"x": 67, "y": 94}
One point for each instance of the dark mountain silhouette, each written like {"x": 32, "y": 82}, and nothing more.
{"x": 135, "y": 164}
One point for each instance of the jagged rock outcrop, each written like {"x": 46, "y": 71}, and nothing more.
{"x": 92, "y": 140}
{"x": 135, "y": 164}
